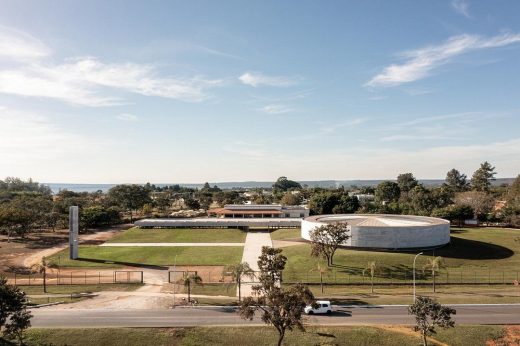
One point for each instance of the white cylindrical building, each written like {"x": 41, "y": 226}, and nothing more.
{"x": 386, "y": 232}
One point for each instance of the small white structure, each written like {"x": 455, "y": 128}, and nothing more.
{"x": 382, "y": 231}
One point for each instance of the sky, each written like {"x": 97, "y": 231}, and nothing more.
{"x": 193, "y": 91}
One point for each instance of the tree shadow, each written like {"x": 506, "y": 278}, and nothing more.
{"x": 128, "y": 264}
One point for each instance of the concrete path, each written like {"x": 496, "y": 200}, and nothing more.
{"x": 252, "y": 250}
{"x": 172, "y": 244}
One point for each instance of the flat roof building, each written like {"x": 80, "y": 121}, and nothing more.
{"x": 259, "y": 211}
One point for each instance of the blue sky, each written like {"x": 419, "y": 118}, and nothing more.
{"x": 189, "y": 91}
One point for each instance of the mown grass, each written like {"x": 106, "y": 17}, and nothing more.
{"x": 213, "y": 289}
{"x": 114, "y": 257}
{"x": 474, "y": 254}
{"x": 285, "y": 234}
{"x": 243, "y": 336}
{"x": 180, "y": 235}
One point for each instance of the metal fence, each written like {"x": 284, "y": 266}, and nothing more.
{"x": 405, "y": 277}
{"x": 75, "y": 278}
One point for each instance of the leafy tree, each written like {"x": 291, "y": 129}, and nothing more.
{"x": 346, "y": 205}
{"x": 238, "y": 271}
{"x": 428, "y": 315}
{"x": 421, "y": 200}
{"x": 14, "y": 317}
{"x": 192, "y": 203}
{"x": 434, "y": 264}
{"x": 456, "y": 181}
{"x": 326, "y": 239}
{"x": 130, "y": 197}
{"x": 371, "y": 268}
{"x": 97, "y": 216}
{"x": 387, "y": 192}
{"x": 279, "y": 307}
{"x": 290, "y": 198}
{"x": 406, "y": 182}
{"x": 481, "y": 179}
{"x": 190, "y": 280}
{"x": 455, "y": 212}
{"x": 284, "y": 184}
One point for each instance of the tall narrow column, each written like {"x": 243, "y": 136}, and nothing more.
{"x": 73, "y": 231}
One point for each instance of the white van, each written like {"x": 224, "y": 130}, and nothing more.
{"x": 324, "y": 307}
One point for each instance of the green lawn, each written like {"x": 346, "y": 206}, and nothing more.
{"x": 229, "y": 290}
{"x": 286, "y": 233}
{"x": 244, "y": 336}
{"x": 180, "y": 235}
{"x": 474, "y": 254}
{"x": 97, "y": 256}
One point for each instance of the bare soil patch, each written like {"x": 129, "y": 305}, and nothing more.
{"x": 511, "y": 337}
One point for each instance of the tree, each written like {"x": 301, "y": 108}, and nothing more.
{"x": 456, "y": 181}
{"x": 130, "y": 197}
{"x": 346, "y": 205}
{"x": 430, "y": 314}
{"x": 455, "y": 212}
{"x": 279, "y": 307}
{"x": 371, "y": 268}
{"x": 406, "y": 182}
{"x": 321, "y": 269}
{"x": 387, "y": 192}
{"x": 14, "y": 317}
{"x": 481, "y": 179}
{"x": 42, "y": 269}
{"x": 326, "y": 239}
{"x": 434, "y": 264}
{"x": 284, "y": 184}
{"x": 480, "y": 202}
{"x": 237, "y": 271}
{"x": 290, "y": 198}
{"x": 189, "y": 280}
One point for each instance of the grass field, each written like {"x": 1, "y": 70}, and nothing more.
{"x": 285, "y": 234}
{"x": 243, "y": 336}
{"x": 476, "y": 254}
{"x": 180, "y": 235}
{"x": 95, "y": 256}
{"x": 361, "y": 295}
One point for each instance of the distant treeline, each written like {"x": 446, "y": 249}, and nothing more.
{"x": 27, "y": 206}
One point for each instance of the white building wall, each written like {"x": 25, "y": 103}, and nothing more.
{"x": 394, "y": 237}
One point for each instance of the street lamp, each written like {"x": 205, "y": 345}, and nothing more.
{"x": 420, "y": 253}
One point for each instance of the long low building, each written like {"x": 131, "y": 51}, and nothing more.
{"x": 259, "y": 211}
{"x": 213, "y": 222}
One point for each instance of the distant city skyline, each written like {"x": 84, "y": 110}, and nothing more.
{"x": 131, "y": 92}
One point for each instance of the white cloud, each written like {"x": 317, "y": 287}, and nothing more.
{"x": 255, "y": 79}
{"x": 422, "y": 61}
{"x": 461, "y": 6}
{"x": 128, "y": 117}
{"x": 15, "y": 44}
{"x": 86, "y": 80}
{"x": 276, "y": 109}
{"x": 79, "y": 81}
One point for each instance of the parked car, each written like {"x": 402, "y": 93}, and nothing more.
{"x": 323, "y": 307}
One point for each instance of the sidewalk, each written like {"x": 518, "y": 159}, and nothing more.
{"x": 252, "y": 250}
{"x": 171, "y": 244}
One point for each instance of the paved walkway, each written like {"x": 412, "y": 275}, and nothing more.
{"x": 172, "y": 244}
{"x": 252, "y": 250}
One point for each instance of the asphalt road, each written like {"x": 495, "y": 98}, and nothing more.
{"x": 217, "y": 316}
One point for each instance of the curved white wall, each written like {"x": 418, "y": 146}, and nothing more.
{"x": 419, "y": 232}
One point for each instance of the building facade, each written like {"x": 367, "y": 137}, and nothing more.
{"x": 259, "y": 211}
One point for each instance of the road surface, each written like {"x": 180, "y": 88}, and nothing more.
{"x": 217, "y": 316}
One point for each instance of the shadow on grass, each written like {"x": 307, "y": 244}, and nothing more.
{"x": 129, "y": 264}
{"x": 473, "y": 250}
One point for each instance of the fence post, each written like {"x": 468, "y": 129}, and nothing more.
{"x": 489, "y": 276}
{"x": 475, "y": 281}
{"x": 85, "y": 278}
{"x": 335, "y": 276}
{"x": 461, "y": 276}
{"x": 142, "y": 276}
{"x": 71, "y": 278}
{"x": 99, "y": 278}
{"x": 127, "y": 277}
{"x": 503, "y": 277}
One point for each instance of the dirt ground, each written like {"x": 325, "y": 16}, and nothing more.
{"x": 511, "y": 337}
{"x": 28, "y": 251}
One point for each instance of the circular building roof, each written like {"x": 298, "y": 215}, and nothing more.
{"x": 379, "y": 220}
